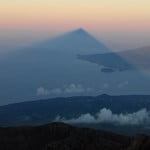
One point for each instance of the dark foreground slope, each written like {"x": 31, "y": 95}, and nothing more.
{"x": 58, "y": 136}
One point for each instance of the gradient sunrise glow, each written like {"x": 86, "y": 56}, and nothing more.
{"x": 121, "y": 24}
{"x": 68, "y": 14}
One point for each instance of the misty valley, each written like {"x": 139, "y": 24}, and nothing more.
{"x": 75, "y": 88}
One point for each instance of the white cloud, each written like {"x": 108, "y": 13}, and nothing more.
{"x": 72, "y": 88}
{"x": 123, "y": 84}
{"x": 106, "y": 116}
{"x": 56, "y": 91}
{"x": 106, "y": 85}
{"x": 69, "y": 89}
{"x": 42, "y": 91}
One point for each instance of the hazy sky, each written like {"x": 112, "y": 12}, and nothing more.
{"x": 110, "y": 20}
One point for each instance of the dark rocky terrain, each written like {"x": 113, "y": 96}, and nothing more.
{"x": 59, "y": 136}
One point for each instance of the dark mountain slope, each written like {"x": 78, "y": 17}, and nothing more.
{"x": 43, "y": 111}
{"x": 58, "y": 136}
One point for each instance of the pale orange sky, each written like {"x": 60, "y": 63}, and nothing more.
{"x": 68, "y": 14}
{"x": 113, "y": 21}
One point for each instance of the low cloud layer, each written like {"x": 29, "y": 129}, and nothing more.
{"x": 123, "y": 84}
{"x": 141, "y": 117}
{"x": 69, "y": 89}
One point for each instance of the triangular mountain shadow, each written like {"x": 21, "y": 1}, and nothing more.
{"x": 86, "y": 47}
{"x": 76, "y": 42}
